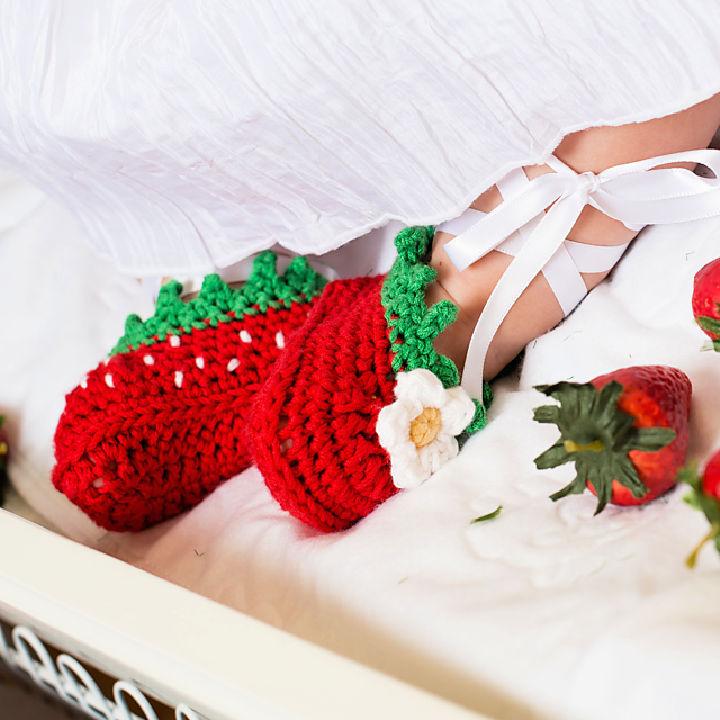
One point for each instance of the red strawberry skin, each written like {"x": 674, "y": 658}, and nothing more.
{"x": 706, "y": 295}
{"x": 656, "y": 396}
{"x": 142, "y": 443}
{"x": 711, "y": 477}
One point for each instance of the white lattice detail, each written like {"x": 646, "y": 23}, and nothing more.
{"x": 67, "y": 678}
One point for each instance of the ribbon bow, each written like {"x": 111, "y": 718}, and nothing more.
{"x": 629, "y": 193}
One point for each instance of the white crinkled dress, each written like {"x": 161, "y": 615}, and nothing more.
{"x": 186, "y": 135}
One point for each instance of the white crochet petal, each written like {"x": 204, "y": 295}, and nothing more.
{"x": 457, "y": 412}
{"x": 437, "y": 453}
{"x": 422, "y": 386}
{"x": 407, "y": 469}
{"x": 393, "y": 424}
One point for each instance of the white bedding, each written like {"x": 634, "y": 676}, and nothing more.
{"x": 546, "y": 612}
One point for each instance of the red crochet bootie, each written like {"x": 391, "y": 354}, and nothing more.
{"x": 164, "y": 421}
{"x": 360, "y": 403}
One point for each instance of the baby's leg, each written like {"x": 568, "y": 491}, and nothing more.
{"x": 537, "y": 310}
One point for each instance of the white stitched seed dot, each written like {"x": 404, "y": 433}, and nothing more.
{"x": 200, "y": 362}
{"x": 148, "y": 359}
{"x": 98, "y": 482}
{"x": 83, "y": 383}
{"x": 178, "y": 378}
{"x": 245, "y": 336}
{"x": 109, "y": 380}
{"x": 233, "y": 365}
{"x": 175, "y": 340}
{"x": 280, "y": 340}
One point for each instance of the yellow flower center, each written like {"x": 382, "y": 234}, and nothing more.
{"x": 425, "y": 427}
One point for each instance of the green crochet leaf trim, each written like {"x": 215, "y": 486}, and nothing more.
{"x": 217, "y": 302}
{"x": 413, "y": 326}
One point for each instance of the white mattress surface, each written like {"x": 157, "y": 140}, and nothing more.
{"x": 546, "y": 612}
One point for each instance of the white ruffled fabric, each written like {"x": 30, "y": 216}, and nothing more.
{"x": 186, "y": 136}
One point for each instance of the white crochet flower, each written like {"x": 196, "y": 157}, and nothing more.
{"x": 418, "y": 430}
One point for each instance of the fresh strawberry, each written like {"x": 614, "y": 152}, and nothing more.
{"x": 705, "y": 496}
{"x": 626, "y": 432}
{"x": 706, "y": 301}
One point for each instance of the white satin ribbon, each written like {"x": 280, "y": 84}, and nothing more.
{"x": 629, "y": 193}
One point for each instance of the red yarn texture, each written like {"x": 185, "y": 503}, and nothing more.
{"x": 142, "y": 442}
{"x": 313, "y": 430}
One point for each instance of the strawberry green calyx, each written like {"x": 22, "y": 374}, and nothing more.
{"x": 711, "y": 326}
{"x": 597, "y": 436}
{"x": 218, "y": 302}
{"x": 706, "y": 504}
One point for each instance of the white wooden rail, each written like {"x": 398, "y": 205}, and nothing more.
{"x": 181, "y": 648}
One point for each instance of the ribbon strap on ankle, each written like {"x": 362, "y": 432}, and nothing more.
{"x": 629, "y": 193}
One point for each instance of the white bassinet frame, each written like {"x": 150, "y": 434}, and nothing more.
{"x": 179, "y": 647}
{"x": 68, "y": 679}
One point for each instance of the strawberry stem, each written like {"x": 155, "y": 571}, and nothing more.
{"x": 573, "y": 447}
{"x": 691, "y": 559}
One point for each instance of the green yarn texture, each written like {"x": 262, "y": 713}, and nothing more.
{"x": 413, "y": 326}
{"x": 217, "y": 302}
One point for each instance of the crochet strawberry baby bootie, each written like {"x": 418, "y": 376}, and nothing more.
{"x": 158, "y": 426}
{"x": 360, "y": 404}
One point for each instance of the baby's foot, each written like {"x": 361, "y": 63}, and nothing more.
{"x": 537, "y": 310}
